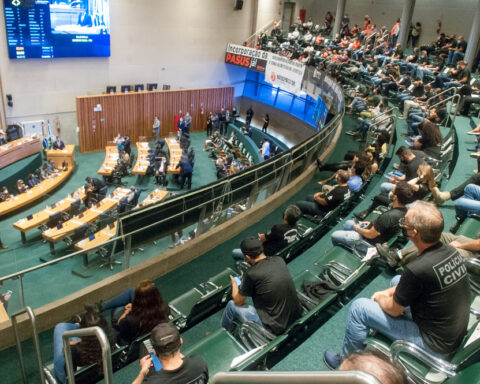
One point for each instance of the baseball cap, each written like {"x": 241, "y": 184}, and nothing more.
{"x": 251, "y": 246}
{"x": 165, "y": 338}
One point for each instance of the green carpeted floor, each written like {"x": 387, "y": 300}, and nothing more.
{"x": 308, "y": 355}
{"x": 52, "y": 280}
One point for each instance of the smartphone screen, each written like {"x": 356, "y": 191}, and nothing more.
{"x": 238, "y": 280}
{"x": 157, "y": 365}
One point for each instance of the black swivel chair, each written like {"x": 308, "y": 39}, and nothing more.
{"x": 75, "y": 207}
{"x": 79, "y": 233}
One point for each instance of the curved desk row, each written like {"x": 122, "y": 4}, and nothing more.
{"x": 35, "y": 193}
{"x": 54, "y": 235}
{"x": 19, "y": 149}
{"x": 142, "y": 163}
{"x": 111, "y": 159}
{"x": 42, "y": 217}
{"x": 175, "y": 154}
{"x": 154, "y": 197}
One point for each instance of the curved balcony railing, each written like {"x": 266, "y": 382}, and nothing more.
{"x": 199, "y": 211}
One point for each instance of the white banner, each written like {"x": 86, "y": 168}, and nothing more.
{"x": 284, "y": 73}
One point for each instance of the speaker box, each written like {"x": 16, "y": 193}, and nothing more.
{"x": 238, "y": 5}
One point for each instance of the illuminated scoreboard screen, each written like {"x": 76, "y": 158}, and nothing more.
{"x": 47, "y": 29}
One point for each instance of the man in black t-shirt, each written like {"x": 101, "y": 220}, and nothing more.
{"x": 383, "y": 228}
{"x": 176, "y": 368}
{"x": 409, "y": 164}
{"x": 269, "y": 284}
{"x": 461, "y": 76}
{"x": 279, "y": 236}
{"x": 428, "y": 305}
{"x": 323, "y": 202}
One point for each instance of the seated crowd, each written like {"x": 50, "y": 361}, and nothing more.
{"x": 47, "y": 171}
{"x": 428, "y": 304}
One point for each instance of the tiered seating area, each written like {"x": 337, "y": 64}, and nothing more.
{"x": 300, "y": 347}
{"x": 310, "y": 257}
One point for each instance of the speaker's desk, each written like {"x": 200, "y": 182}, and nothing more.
{"x": 60, "y": 155}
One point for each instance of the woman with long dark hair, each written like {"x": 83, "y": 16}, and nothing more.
{"x": 430, "y": 140}
{"x": 85, "y": 351}
{"x": 136, "y": 311}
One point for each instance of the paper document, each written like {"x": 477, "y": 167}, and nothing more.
{"x": 240, "y": 359}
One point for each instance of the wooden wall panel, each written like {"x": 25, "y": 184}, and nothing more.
{"x": 132, "y": 113}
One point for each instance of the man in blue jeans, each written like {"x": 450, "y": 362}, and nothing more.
{"x": 383, "y": 228}
{"x": 427, "y": 305}
{"x": 269, "y": 284}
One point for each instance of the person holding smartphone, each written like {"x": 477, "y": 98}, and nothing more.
{"x": 172, "y": 366}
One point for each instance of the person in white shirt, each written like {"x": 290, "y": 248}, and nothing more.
{"x": 265, "y": 149}
{"x": 156, "y": 128}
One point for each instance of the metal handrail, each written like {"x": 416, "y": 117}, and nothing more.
{"x": 452, "y": 98}
{"x": 271, "y": 377}
{"x": 122, "y": 237}
{"x": 400, "y": 347}
{"x": 440, "y": 94}
{"x": 104, "y": 344}
{"x": 262, "y": 29}
{"x": 36, "y": 343}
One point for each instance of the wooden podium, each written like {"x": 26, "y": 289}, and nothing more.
{"x": 60, "y": 155}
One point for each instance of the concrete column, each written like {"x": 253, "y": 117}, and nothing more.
{"x": 472, "y": 46}
{"x": 338, "y": 17}
{"x": 405, "y": 21}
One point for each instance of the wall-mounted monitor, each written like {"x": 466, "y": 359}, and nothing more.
{"x": 46, "y": 29}
{"x": 152, "y": 86}
{"x": 111, "y": 89}
{"x": 126, "y": 88}
{"x": 139, "y": 87}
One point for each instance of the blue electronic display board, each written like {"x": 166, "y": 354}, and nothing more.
{"x": 48, "y": 29}
{"x": 320, "y": 113}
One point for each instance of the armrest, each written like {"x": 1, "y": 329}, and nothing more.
{"x": 473, "y": 266}
{"x": 402, "y": 347}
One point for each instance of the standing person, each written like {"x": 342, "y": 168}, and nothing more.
{"x": 188, "y": 123}
{"x": 265, "y": 149}
{"x": 180, "y": 126}
{"x": 156, "y": 128}
{"x": 210, "y": 124}
{"x": 222, "y": 120}
{"x": 176, "y": 368}
{"x": 269, "y": 284}
{"x": 186, "y": 171}
{"x": 250, "y": 114}
{"x": 416, "y": 32}
{"x": 126, "y": 145}
{"x": 176, "y": 119}
{"x": 394, "y": 33}
{"x": 427, "y": 305}
{"x": 266, "y": 121}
